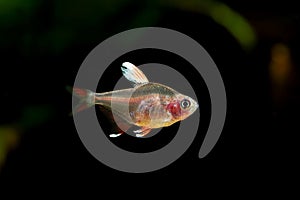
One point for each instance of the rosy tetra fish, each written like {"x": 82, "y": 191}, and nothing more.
{"x": 147, "y": 105}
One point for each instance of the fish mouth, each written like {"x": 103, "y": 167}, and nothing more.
{"x": 195, "y": 107}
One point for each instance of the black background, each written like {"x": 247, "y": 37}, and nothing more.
{"x": 256, "y": 147}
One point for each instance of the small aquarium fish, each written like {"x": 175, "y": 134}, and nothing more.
{"x": 147, "y": 105}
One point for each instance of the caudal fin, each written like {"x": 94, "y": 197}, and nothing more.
{"x": 86, "y": 98}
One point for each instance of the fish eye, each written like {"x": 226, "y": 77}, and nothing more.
{"x": 185, "y": 103}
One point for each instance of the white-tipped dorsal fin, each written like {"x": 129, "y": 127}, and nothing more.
{"x": 133, "y": 74}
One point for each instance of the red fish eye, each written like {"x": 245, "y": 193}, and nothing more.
{"x": 174, "y": 108}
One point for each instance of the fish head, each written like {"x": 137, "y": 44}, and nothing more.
{"x": 187, "y": 106}
{"x": 181, "y": 107}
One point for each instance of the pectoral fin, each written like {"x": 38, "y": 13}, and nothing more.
{"x": 133, "y": 74}
{"x": 142, "y": 132}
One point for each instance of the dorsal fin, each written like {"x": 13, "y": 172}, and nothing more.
{"x": 133, "y": 74}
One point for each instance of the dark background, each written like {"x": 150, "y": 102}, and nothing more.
{"x": 254, "y": 44}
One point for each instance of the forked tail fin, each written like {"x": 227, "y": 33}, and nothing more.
{"x": 86, "y": 98}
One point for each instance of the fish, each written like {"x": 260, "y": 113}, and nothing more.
{"x": 147, "y": 105}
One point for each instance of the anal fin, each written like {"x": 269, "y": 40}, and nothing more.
{"x": 117, "y": 125}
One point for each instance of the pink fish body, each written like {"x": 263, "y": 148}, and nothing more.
{"x": 147, "y": 105}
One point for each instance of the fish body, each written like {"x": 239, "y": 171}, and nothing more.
{"x": 147, "y": 105}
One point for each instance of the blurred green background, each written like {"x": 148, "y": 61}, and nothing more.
{"x": 255, "y": 44}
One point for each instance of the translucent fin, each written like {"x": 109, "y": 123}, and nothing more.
{"x": 133, "y": 74}
{"x": 86, "y": 97}
{"x": 142, "y": 132}
{"x": 117, "y": 124}
{"x": 115, "y": 135}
